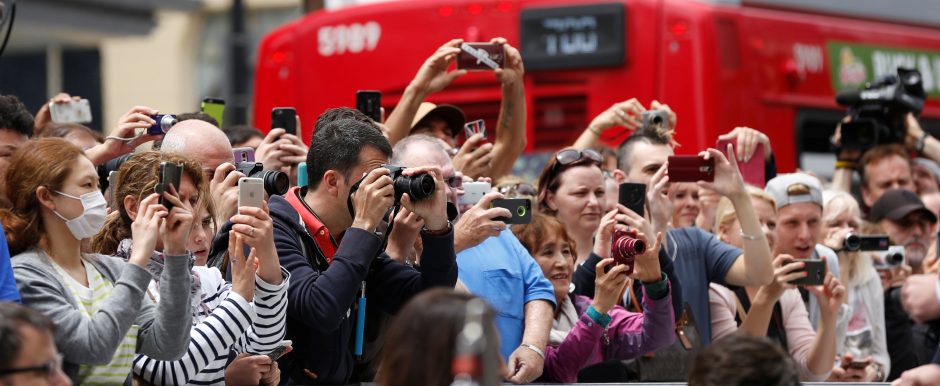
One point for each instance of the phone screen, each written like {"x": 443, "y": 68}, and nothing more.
{"x": 215, "y": 108}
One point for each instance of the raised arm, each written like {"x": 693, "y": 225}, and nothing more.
{"x": 510, "y": 129}
{"x": 625, "y": 114}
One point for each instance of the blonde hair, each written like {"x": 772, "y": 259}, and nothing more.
{"x": 836, "y": 202}
{"x": 724, "y": 213}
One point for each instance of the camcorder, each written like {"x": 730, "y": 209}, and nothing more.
{"x": 878, "y": 110}
{"x": 275, "y": 182}
{"x": 854, "y": 242}
{"x": 624, "y": 248}
{"x": 418, "y": 187}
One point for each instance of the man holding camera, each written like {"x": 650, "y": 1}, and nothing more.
{"x": 324, "y": 235}
{"x": 493, "y": 265}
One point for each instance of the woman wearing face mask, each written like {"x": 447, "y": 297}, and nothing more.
{"x": 588, "y": 331}
{"x": 571, "y": 188}
{"x": 776, "y": 310}
{"x": 865, "y": 341}
{"x": 97, "y": 302}
{"x": 247, "y": 315}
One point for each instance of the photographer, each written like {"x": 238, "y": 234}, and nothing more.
{"x": 473, "y": 159}
{"x": 626, "y": 114}
{"x": 123, "y": 139}
{"x": 332, "y": 252}
{"x": 97, "y": 302}
{"x": 16, "y": 126}
{"x": 492, "y": 264}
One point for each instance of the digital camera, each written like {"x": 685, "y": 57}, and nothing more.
{"x": 275, "y": 182}
{"x": 624, "y": 248}
{"x": 418, "y": 187}
{"x": 164, "y": 123}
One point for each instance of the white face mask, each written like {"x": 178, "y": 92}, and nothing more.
{"x": 92, "y": 219}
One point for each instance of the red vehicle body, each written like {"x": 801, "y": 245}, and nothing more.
{"x": 718, "y": 66}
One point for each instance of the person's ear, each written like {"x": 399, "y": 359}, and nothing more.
{"x": 619, "y": 176}
{"x": 44, "y": 196}
{"x": 550, "y": 201}
{"x": 130, "y": 206}
{"x": 331, "y": 181}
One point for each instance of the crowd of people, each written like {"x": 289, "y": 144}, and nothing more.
{"x": 374, "y": 264}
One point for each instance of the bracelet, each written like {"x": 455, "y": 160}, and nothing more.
{"x": 919, "y": 145}
{"x": 601, "y": 319}
{"x": 533, "y": 348}
{"x": 751, "y": 238}
{"x": 597, "y": 133}
{"x": 845, "y": 164}
{"x": 439, "y": 232}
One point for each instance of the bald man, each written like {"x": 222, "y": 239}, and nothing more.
{"x": 208, "y": 144}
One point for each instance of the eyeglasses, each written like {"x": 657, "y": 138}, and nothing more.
{"x": 48, "y": 369}
{"x": 517, "y": 189}
{"x": 454, "y": 182}
{"x": 570, "y": 156}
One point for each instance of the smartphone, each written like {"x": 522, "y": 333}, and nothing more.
{"x": 473, "y": 192}
{"x": 280, "y": 350}
{"x": 633, "y": 196}
{"x": 480, "y": 57}
{"x": 690, "y": 168}
{"x": 284, "y": 118}
{"x": 170, "y": 173}
{"x": 858, "y": 365}
{"x": 521, "y": 209}
{"x": 250, "y": 192}
{"x": 816, "y": 269}
{"x": 243, "y": 154}
{"x": 369, "y": 102}
{"x": 302, "y": 174}
{"x": 477, "y": 126}
{"x": 752, "y": 170}
{"x": 214, "y": 107}
{"x": 76, "y": 111}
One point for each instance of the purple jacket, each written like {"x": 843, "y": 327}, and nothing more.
{"x": 628, "y": 335}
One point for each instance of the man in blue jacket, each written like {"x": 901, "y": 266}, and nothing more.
{"x": 325, "y": 236}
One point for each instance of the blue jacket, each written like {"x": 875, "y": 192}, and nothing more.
{"x": 8, "y": 291}
{"x": 321, "y": 297}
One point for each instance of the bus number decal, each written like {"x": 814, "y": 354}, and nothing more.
{"x": 573, "y": 35}
{"x": 353, "y": 38}
{"x": 808, "y": 58}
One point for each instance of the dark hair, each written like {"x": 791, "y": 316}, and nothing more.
{"x": 14, "y": 115}
{"x": 41, "y": 162}
{"x": 541, "y": 229}
{"x": 137, "y": 177}
{"x": 549, "y": 181}
{"x": 877, "y": 154}
{"x": 336, "y": 146}
{"x": 241, "y": 133}
{"x": 62, "y": 130}
{"x": 420, "y": 343}
{"x": 13, "y": 318}
{"x": 739, "y": 360}
{"x": 654, "y": 137}
{"x": 338, "y": 113}
{"x": 201, "y": 116}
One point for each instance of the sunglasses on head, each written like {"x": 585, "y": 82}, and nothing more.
{"x": 518, "y": 189}
{"x": 571, "y": 156}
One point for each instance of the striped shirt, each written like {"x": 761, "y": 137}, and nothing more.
{"x": 233, "y": 324}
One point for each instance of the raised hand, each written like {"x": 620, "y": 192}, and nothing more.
{"x": 626, "y": 114}
{"x": 479, "y": 223}
{"x": 512, "y": 70}
{"x": 178, "y": 224}
{"x": 608, "y": 284}
{"x": 747, "y": 140}
{"x": 145, "y": 230}
{"x": 375, "y": 195}
{"x": 243, "y": 269}
{"x": 432, "y": 209}
{"x": 433, "y": 76}
{"x": 728, "y": 181}
{"x": 255, "y": 227}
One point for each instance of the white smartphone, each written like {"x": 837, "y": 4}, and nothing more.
{"x": 251, "y": 192}
{"x": 72, "y": 112}
{"x": 473, "y": 192}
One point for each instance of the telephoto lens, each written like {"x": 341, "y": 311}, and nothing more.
{"x": 418, "y": 187}
{"x": 852, "y": 242}
{"x": 275, "y": 182}
{"x": 624, "y": 248}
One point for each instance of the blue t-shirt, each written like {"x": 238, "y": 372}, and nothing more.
{"x": 501, "y": 271}
{"x": 8, "y": 291}
{"x": 699, "y": 258}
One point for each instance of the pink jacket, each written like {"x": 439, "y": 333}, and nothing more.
{"x": 628, "y": 335}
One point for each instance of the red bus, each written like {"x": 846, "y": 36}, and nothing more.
{"x": 718, "y": 65}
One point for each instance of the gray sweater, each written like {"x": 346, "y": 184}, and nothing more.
{"x": 164, "y": 328}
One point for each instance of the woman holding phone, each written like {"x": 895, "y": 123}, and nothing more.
{"x": 97, "y": 302}
{"x": 252, "y": 306}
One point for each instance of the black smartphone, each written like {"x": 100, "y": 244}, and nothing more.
{"x": 633, "y": 196}
{"x": 170, "y": 173}
{"x": 521, "y": 209}
{"x": 816, "y": 270}
{"x": 284, "y": 118}
{"x": 369, "y": 102}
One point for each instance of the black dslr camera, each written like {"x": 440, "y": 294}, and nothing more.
{"x": 275, "y": 182}
{"x": 418, "y": 187}
{"x": 878, "y": 110}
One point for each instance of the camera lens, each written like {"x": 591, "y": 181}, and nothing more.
{"x": 894, "y": 259}
{"x": 627, "y": 246}
{"x": 275, "y": 182}
{"x": 852, "y": 242}
{"x": 418, "y": 187}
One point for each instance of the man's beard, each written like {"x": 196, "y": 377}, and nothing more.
{"x": 915, "y": 250}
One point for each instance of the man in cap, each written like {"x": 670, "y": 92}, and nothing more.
{"x": 478, "y": 157}
{"x": 907, "y": 222}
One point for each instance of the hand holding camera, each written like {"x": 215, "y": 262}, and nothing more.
{"x": 608, "y": 285}
{"x": 479, "y": 223}
{"x": 425, "y": 195}
{"x": 375, "y": 194}
{"x": 727, "y": 179}
{"x": 475, "y": 157}
{"x": 125, "y": 138}
{"x": 146, "y": 229}
{"x": 786, "y": 270}
{"x": 625, "y": 114}
{"x": 178, "y": 224}
{"x": 747, "y": 140}
{"x": 224, "y": 191}
{"x": 512, "y": 70}
{"x": 831, "y": 295}
{"x": 255, "y": 227}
